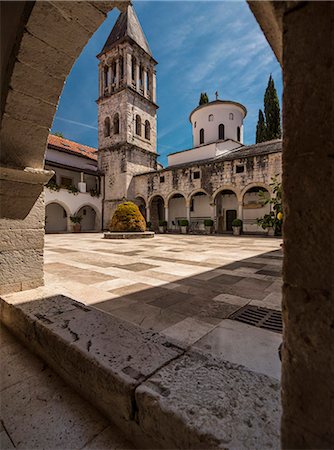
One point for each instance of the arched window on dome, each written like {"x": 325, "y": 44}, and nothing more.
{"x": 201, "y": 136}
{"x": 238, "y": 134}
{"x": 211, "y": 118}
{"x": 106, "y": 127}
{"x": 231, "y": 116}
{"x": 116, "y": 123}
{"x": 221, "y": 131}
{"x": 195, "y": 124}
{"x": 147, "y": 130}
{"x": 138, "y": 125}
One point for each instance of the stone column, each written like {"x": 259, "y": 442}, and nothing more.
{"x": 148, "y": 215}
{"x": 22, "y": 228}
{"x": 117, "y": 73}
{"x": 188, "y": 213}
{"x": 127, "y": 72}
{"x": 166, "y": 214}
{"x": 154, "y": 85}
{"x": 240, "y": 211}
{"x": 137, "y": 78}
{"x": 308, "y": 359}
{"x": 145, "y": 82}
{"x": 109, "y": 79}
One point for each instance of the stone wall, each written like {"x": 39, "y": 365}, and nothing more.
{"x": 214, "y": 176}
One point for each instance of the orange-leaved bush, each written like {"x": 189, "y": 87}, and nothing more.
{"x": 127, "y": 217}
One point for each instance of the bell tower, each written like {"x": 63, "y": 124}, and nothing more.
{"x": 126, "y": 110}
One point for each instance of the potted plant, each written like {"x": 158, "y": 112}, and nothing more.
{"x": 236, "y": 227}
{"x": 183, "y": 223}
{"x": 76, "y": 220}
{"x": 162, "y": 226}
{"x": 208, "y": 225}
{"x": 267, "y": 222}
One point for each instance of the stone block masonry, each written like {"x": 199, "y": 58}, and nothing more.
{"x": 160, "y": 394}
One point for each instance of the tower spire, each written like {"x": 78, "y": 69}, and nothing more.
{"x": 127, "y": 27}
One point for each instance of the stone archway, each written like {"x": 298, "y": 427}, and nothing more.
{"x": 200, "y": 209}
{"x": 177, "y": 209}
{"x": 141, "y": 203}
{"x": 253, "y": 208}
{"x": 157, "y": 211}
{"x": 56, "y": 218}
{"x": 89, "y": 220}
{"x": 226, "y": 202}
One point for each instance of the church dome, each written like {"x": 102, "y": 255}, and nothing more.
{"x": 217, "y": 121}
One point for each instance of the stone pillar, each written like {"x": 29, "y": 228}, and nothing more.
{"x": 188, "y": 213}
{"x": 308, "y": 359}
{"x": 166, "y": 214}
{"x": 154, "y": 85}
{"x": 240, "y": 211}
{"x": 117, "y": 73}
{"x": 109, "y": 79}
{"x": 22, "y": 228}
{"x": 148, "y": 215}
{"x": 127, "y": 72}
{"x": 145, "y": 82}
{"x": 137, "y": 78}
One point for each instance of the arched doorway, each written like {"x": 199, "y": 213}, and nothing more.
{"x": 140, "y": 202}
{"x": 56, "y": 218}
{"x": 157, "y": 211}
{"x": 200, "y": 209}
{"x": 253, "y": 209}
{"x": 226, "y": 210}
{"x": 177, "y": 209}
{"x": 89, "y": 219}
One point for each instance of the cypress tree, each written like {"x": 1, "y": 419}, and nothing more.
{"x": 272, "y": 112}
{"x": 260, "y": 128}
{"x": 203, "y": 98}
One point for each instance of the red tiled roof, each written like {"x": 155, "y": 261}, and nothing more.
{"x": 65, "y": 145}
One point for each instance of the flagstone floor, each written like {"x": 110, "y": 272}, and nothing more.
{"x": 184, "y": 286}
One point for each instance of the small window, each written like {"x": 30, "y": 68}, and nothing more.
{"x": 211, "y": 118}
{"x": 231, "y": 116}
{"x": 196, "y": 175}
{"x": 147, "y": 130}
{"x": 240, "y": 169}
{"x": 84, "y": 212}
{"x": 238, "y": 134}
{"x": 106, "y": 76}
{"x": 116, "y": 123}
{"x": 221, "y": 131}
{"x": 66, "y": 182}
{"x": 162, "y": 179}
{"x": 121, "y": 67}
{"x": 195, "y": 124}
{"x": 133, "y": 68}
{"x": 138, "y": 125}
{"x": 201, "y": 136}
{"x": 106, "y": 127}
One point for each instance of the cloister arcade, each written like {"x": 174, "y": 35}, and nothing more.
{"x": 58, "y": 217}
{"x": 223, "y": 206}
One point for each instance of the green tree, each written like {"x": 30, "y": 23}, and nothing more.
{"x": 260, "y": 128}
{"x": 275, "y": 218}
{"x": 272, "y": 112}
{"x": 203, "y": 98}
{"x": 59, "y": 134}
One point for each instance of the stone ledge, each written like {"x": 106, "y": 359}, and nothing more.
{"x": 129, "y": 235}
{"x": 160, "y": 395}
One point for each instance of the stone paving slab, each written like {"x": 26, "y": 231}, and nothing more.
{"x": 38, "y": 410}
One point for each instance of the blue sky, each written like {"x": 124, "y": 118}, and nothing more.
{"x": 200, "y": 47}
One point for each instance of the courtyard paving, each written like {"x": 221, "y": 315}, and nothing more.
{"x": 183, "y": 286}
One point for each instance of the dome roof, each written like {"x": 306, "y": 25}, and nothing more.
{"x": 219, "y": 102}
